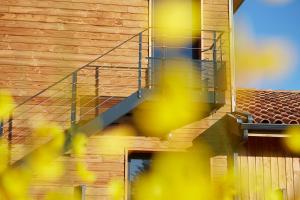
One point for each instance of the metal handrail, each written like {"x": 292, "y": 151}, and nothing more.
{"x": 214, "y": 47}
{"x": 99, "y": 57}
{"x": 78, "y": 69}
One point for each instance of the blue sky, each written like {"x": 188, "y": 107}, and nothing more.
{"x": 274, "y": 20}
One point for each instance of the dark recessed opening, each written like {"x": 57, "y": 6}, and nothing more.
{"x": 293, "y": 122}
{"x": 265, "y": 121}
{"x": 278, "y": 122}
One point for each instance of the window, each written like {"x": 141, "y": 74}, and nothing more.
{"x": 137, "y": 164}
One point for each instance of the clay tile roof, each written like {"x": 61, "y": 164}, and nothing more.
{"x": 270, "y": 106}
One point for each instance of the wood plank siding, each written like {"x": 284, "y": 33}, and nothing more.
{"x": 265, "y": 166}
{"x": 42, "y": 41}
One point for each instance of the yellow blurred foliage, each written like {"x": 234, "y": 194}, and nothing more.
{"x": 267, "y": 56}
{"x": 84, "y": 174}
{"x": 116, "y": 139}
{"x": 174, "y": 103}
{"x": 79, "y": 143}
{"x": 59, "y": 196}
{"x": 43, "y": 160}
{"x": 292, "y": 141}
{"x": 4, "y": 155}
{"x": 176, "y": 176}
{"x": 6, "y": 104}
{"x": 275, "y": 195}
{"x": 116, "y": 189}
{"x": 261, "y": 59}
{"x": 43, "y": 163}
{"x": 278, "y": 2}
{"x": 15, "y": 184}
{"x": 226, "y": 186}
{"x": 176, "y": 20}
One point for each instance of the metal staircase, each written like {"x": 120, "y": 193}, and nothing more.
{"x": 97, "y": 94}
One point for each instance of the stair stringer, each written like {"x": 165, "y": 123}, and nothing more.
{"x": 108, "y": 117}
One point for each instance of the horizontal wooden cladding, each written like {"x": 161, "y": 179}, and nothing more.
{"x": 38, "y": 32}
{"x": 72, "y": 27}
{"x": 63, "y": 63}
{"x": 45, "y": 40}
{"x": 111, "y": 2}
{"x": 73, "y": 13}
{"x": 66, "y": 12}
{"x": 74, "y": 20}
{"x": 119, "y": 58}
{"x": 139, "y": 7}
{"x": 112, "y": 81}
{"x": 31, "y": 89}
{"x": 133, "y": 43}
{"x": 216, "y": 14}
{"x": 108, "y": 162}
{"x": 70, "y": 49}
{"x": 83, "y": 77}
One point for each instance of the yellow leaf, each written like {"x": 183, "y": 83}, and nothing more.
{"x": 175, "y": 102}
{"x": 4, "y": 155}
{"x": 79, "y": 144}
{"x": 6, "y": 104}
{"x": 293, "y": 140}
{"x": 176, "y": 21}
{"x": 116, "y": 189}
{"x": 84, "y": 173}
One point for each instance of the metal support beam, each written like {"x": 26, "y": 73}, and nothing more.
{"x": 1, "y": 129}
{"x": 221, "y": 52}
{"x": 10, "y": 135}
{"x": 140, "y": 66}
{"x": 149, "y": 74}
{"x": 97, "y": 102}
{"x": 215, "y": 65}
{"x": 10, "y": 129}
{"x": 114, "y": 113}
{"x": 73, "y": 103}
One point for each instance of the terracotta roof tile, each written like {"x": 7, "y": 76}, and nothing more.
{"x": 270, "y": 106}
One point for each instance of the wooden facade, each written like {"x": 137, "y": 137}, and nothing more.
{"x": 42, "y": 41}
{"x": 264, "y": 166}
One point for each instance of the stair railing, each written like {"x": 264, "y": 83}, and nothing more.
{"x": 102, "y": 83}
{"x": 84, "y": 93}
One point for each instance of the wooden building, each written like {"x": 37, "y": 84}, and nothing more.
{"x": 90, "y": 63}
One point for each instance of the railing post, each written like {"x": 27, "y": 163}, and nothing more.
{"x": 73, "y": 103}
{"x": 221, "y": 53}
{"x": 149, "y": 74}
{"x": 235, "y": 174}
{"x": 140, "y": 66}
{"x": 1, "y": 129}
{"x": 10, "y": 129}
{"x": 215, "y": 64}
{"x": 10, "y": 135}
{"x": 97, "y": 90}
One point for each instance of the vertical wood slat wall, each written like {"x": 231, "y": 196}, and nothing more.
{"x": 264, "y": 166}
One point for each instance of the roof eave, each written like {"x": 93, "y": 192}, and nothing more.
{"x": 266, "y": 127}
{"x": 237, "y": 4}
